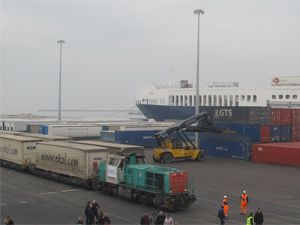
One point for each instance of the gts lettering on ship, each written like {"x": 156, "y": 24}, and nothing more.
{"x": 61, "y": 159}
{"x": 6, "y": 149}
{"x": 223, "y": 113}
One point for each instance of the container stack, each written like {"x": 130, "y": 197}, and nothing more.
{"x": 296, "y": 125}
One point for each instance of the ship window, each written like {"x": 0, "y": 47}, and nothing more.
{"x": 173, "y": 100}
{"x": 242, "y": 97}
{"x": 295, "y": 96}
{"x": 254, "y": 98}
{"x": 248, "y": 98}
{"x": 185, "y": 100}
{"x": 287, "y": 97}
{"x": 280, "y": 96}
{"x": 181, "y": 100}
{"x": 177, "y": 99}
{"x": 273, "y": 96}
{"x": 190, "y": 100}
{"x": 225, "y": 100}
{"x": 200, "y": 99}
{"x": 204, "y": 100}
{"x": 236, "y": 100}
{"x": 209, "y": 100}
{"x": 215, "y": 100}
{"x": 231, "y": 100}
{"x": 220, "y": 100}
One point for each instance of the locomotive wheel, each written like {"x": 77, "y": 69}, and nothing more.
{"x": 167, "y": 158}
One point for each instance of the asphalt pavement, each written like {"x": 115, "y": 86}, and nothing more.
{"x": 31, "y": 199}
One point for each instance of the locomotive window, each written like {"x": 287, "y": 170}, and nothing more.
{"x": 113, "y": 162}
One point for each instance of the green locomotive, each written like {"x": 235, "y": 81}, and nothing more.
{"x": 130, "y": 177}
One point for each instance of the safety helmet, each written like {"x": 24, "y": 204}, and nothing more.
{"x": 225, "y": 196}
{"x": 244, "y": 192}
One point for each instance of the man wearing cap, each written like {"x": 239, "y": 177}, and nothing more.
{"x": 226, "y": 205}
{"x": 244, "y": 203}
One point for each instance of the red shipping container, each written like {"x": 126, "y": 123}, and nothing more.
{"x": 265, "y": 133}
{"x": 296, "y": 116}
{"x": 275, "y": 116}
{"x": 296, "y": 132}
{"x": 178, "y": 182}
{"x": 282, "y": 153}
{"x": 281, "y": 116}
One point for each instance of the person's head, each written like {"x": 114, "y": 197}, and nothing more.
{"x": 7, "y": 220}
{"x": 222, "y": 206}
{"x": 80, "y": 219}
{"x": 145, "y": 214}
{"x": 225, "y": 196}
{"x": 244, "y": 192}
{"x": 91, "y": 205}
{"x": 160, "y": 213}
{"x": 259, "y": 210}
{"x": 168, "y": 215}
{"x": 94, "y": 201}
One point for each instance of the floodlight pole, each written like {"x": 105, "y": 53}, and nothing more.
{"x": 198, "y": 12}
{"x": 60, "y": 42}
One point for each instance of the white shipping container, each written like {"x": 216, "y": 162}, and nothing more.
{"x": 71, "y": 159}
{"x": 116, "y": 148}
{"x": 44, "y": 137}
{"x": 73, "y": 130}
{"x": 18, "y": 149}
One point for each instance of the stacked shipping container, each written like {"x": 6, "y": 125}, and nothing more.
{"x": 296, "y": 125}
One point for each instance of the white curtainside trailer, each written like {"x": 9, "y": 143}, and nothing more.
{"x": 116, "y": 148}
{"x": 18, "y": 150}
{"x": 78, "y": 161}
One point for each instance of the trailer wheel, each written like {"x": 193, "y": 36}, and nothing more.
{"x": 167, "y": 157}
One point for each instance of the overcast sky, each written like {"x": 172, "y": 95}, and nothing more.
{"x": 114, "y": 47}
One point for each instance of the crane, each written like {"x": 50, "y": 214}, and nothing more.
{"x": 174, "y": 142}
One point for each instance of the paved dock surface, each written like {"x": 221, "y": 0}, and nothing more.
{"x": 276, "y": 189}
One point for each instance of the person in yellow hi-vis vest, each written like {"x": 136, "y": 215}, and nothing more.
{"x": 226, "y": 205}
{"x": 250, "y": 219}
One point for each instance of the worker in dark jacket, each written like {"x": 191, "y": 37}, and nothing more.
{"x": 160, "y": 219}
{"x": 221, "y": 215}
{"x": 259, "y": 217}
{"x": 145, "y": 220}
{"x": 90, "y": 215}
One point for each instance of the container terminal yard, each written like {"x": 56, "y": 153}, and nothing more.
{"x": 271, "y": 177}
{"x": 31, "y": 199}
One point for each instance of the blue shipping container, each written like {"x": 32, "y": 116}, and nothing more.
{"x": 139, "y": 137}
{"x": 285, "y": 132}
{"x": 251, "y": 131}
{"x": 226, "y": 148}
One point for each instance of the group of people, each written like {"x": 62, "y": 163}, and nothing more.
{"x": 258, "y": 218}
{"x": 94, "y": 215}
{"x": 157, "y": 219}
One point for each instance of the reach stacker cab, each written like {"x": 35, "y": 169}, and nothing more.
{"x": 174, "y": 143}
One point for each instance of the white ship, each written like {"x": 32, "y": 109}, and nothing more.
{"x": 178, "y": 102}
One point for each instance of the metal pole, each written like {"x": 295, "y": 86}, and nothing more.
{"x": 197, "y": 12}
{"x": 60, "y": 42}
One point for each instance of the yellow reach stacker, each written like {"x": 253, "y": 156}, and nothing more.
{"x": 174, "y": 143}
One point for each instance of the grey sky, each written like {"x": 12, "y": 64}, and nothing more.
{"x": 114, "y": 47}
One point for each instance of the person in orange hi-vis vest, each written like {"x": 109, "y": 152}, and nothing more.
{"x": 226, "y": 205}
{"x": 244, "y": 203}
